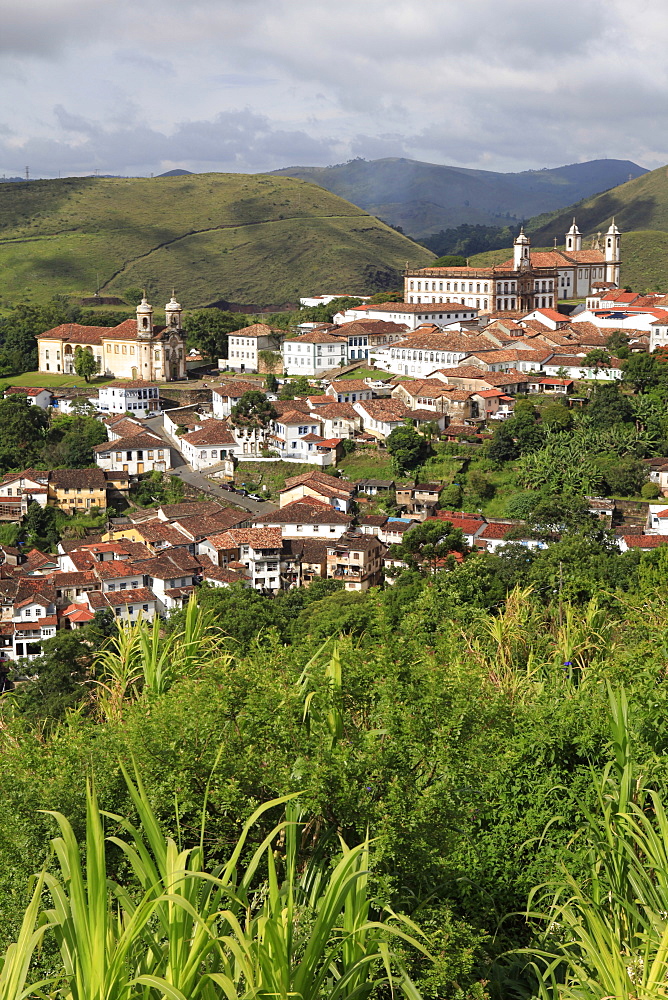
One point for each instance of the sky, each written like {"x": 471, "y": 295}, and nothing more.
{"x": 135, "y": 87}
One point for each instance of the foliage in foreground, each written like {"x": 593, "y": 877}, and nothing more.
{"x": 263, "y": 926}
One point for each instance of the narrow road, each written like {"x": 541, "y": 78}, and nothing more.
{"x": 181, "y": 468}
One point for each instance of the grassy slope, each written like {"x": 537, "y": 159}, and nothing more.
{"x": 247, "y": 239}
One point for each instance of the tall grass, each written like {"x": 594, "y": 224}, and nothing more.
{"x": 605, "y": 934}
{"x": 258, "y": 925}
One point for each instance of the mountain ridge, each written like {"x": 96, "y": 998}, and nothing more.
{"x": 423, "y": 198}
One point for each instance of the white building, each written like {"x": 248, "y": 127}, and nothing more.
{"x": 36, "y": 397}
{"x": 244, "y": 345}
{"x": 314, "y": 353}
{"x": 295, "y": 434}
{"x": 210, "y": 445}
{"x": 412, "y": 314}
{"x": 145, "y": 452}
{"x": 306, "y": 519}
{"x": 227, "y": 395}
{"x": 419, "y": 355}
{"x": 138, "y": 398}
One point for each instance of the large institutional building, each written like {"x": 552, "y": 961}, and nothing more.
{"x": 531, "y": 280}
{"x": 135, "y": 349}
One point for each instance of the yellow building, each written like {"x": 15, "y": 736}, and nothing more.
{"x": 77, "y": 489}
{"x": 135, "y": 349}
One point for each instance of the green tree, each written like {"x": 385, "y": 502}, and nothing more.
{"x": 642, "y": 372}
{"x": 61, "y": 678}
{"x": 407, "y": 448}
{"x": 70, "y": 441}
{"x": 208, "y": 329}
{"x": 85, "y": 364}
{"x": 22, "y": 432}
{"x": 557, "y": 417}
{"x": 608, "y": 405}
{"x": 598, "y": 360}
{"x": 426, "y": 544}
{"x": 296, "y": 387}
{"x": 270, "y": 382}
{"x": 18, "y": 330}
{"x": 502, "y": 448}
{"x": 41, "y": 527}
{"x": 479, "y": 484}
{"x": 253, "y": 411}
{"x": 616, "y": 342}
{"x": 622, "y": 477}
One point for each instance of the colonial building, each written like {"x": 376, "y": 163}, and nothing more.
{"x": 135, "y": 349}
{"x": 531, "y": 280}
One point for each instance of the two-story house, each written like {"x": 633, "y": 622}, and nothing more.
{"x": 357, "y": 560}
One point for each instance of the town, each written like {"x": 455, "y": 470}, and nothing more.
{"x": 467, "y": 351}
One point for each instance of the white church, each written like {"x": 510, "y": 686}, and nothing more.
{"x": 136, "y": 349}
{"x": 532, "y": 279}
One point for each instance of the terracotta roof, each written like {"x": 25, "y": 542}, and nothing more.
{"x": 76, "y": 333}
{"x": 314, "y": 337}
{"x": 257, "y": 538}
{"x": 77, "y": 479}
{"x": 24, "y": 390}
{"x": 442, "y": 342}
{"x": 235, "y": 390}
{"x": 129, "y": 383}
{"x": 211, "y": 572}
{"x": 645, "y": 541}
{"x": 142, "y": 595}
{"x": 332, "y": 410}
{"x": 362, "y": 327}
{"x": 115, "y": 569}
{"x": 291, "y": 417}
{"x": 304, "y": 511}
{"x": 256, "y": 330}
{"x": 344, "y": 385}
{"x": 386, "y": 410}
{"x": 214, "y": 432}
{"x": 493, "y": 531}
{"x": 417, "y": 307}
{"x": 142, "y": 441}
{"x": 318, "y": 478}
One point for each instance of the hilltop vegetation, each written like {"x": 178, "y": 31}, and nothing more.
{"x": 640, "y": 204}
{"x": 424, "y": 198}
{"x": 251, "y": 240}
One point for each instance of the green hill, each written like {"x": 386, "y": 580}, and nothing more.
{"x": 424, "y": 198}
{"x": 244, "y": 239}
{"x": 640, "y": 204}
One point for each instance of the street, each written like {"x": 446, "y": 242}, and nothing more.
{"x": 182, "y": 469}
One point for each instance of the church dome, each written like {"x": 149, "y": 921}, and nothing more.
{"x": 573, "y": 231}
{"x": 172, "y": 305}
{"x": 144, "y": 306}
{"x": 522, "y": 238}
{"x": 613, "y": 231}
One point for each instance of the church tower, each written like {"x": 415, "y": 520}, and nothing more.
{"x": 612, "y": 254}
{"x": 573, "y": 238}
{"x": 521, "y": 251}
{"x": 173, "y": 313}
{"x": 145, "y": 340}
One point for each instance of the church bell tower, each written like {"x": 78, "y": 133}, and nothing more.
{"x": 573, "y": 238}
{"x": 612, "y": 254}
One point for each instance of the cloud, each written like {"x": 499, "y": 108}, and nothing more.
{"x": 265, "y": 83}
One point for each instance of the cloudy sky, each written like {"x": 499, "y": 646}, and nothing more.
{"x": 133, "y": 87}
